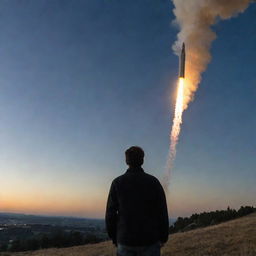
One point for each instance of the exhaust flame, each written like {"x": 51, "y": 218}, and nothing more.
{"x": 174, "y": 136}
{"x": 195, "y": 19}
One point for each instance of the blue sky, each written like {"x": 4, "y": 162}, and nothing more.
{"x": 81, "y": 81}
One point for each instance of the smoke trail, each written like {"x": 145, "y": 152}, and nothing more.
{"x": 195, "y": 18}
{"x": 174, "y": 136}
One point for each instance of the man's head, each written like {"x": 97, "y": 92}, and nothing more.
{"x": 134, "y": 156}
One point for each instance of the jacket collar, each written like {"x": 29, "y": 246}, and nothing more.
{"x": 135, "y": 170}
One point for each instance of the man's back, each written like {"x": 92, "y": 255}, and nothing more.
{"x": 136, "y": 210}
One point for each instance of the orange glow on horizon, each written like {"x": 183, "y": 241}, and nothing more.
{"x": 81, "y": 206}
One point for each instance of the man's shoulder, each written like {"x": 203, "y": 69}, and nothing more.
{"x": 152, "y": 178}
{"x": 118, "y": 178}
{"x": 145, "y": 174}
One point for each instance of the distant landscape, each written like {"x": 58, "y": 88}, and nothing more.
{"x": 232, "y": 238}
{"x": 21, "y": 232}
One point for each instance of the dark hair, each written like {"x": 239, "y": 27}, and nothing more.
{"x": 134, "y": 156}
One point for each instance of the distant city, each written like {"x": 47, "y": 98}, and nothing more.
{"x": 21, "y": 219}
{"x": 20, "y": 232}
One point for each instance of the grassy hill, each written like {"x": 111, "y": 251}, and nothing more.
{"x": 236, "y": 237}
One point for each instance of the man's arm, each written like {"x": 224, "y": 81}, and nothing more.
{"x": 111, "y": 213}
{"x": 163, "y": 215}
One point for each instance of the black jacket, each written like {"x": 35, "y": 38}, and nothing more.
{"x": 136, "y": 213}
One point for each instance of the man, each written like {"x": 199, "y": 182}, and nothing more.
{"x": 136, "y": 214}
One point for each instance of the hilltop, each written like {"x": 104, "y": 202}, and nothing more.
{"x": 236, "y": 237}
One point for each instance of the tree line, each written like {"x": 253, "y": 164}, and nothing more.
{"x": 57, "y": 239}
{"x": 209, "y": 218}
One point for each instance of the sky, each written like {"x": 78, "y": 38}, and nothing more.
{"x": 81, "y": 81}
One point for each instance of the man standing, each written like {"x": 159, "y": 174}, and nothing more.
{"x": 136, "y": 213}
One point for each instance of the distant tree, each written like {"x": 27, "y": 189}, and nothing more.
{"x": 76, "y": 238}
{"x": 91, "y": 238}
{"x": 209, "y": 218}
{"x": 33, "y": 244}
{"x": 45, "y": 241}
{"x": 3, "y": 247}
{"x": 15, "y": 246}
{"x": 244, "y": 210}
{"x": 60, "y": 239}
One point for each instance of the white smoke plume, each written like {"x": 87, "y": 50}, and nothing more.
{"x": 195, "y": 18}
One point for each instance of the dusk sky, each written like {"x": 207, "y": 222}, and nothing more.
{"x": 81, "y": 81}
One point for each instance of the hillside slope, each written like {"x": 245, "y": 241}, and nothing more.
{"x": 236, "y": 237}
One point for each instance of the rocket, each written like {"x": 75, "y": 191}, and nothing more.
{"x": 182, "y": 62}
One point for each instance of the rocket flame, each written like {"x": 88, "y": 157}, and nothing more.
{"x": 174, "y": 136}
{"x": 195, "y": 20}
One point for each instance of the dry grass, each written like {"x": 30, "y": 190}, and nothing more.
{"x": 233, "y": 238}
{"x": 236, "y": 238}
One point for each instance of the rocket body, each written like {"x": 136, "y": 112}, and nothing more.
{"x": 182, "y": 62}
